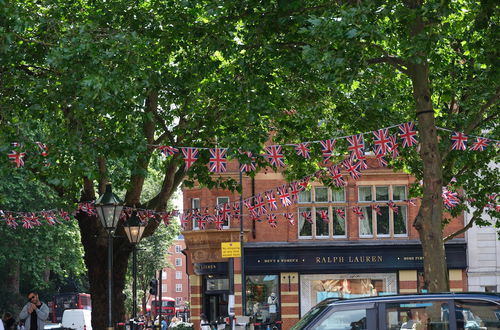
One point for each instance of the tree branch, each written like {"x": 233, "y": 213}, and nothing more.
{"x": 396, "y": 62}
{"x": 476, "y": 215}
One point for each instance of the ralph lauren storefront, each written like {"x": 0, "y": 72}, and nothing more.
{"x": 349, "y": 269}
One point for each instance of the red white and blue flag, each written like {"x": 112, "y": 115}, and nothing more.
{"x": 168, "y": 150}
{"x": 44, "y": 148}
{"x": 381, "y": 160}
{"x": 340, "y": 213}
{"x": 408, "y": 133}
{"x": 11, "y": 221}
{"x": 381, "y": 141}
{"x": 327, "y": 147}
{"x": 219, "y": 222}
{"x": 450, "y": 198}
{"x": 64, "y": 215}
{"x": 336, "y": 176}
{"x": 357, "y": 210}
{"x": 284, "y": 196}
{"x": 303, "y": 150}
{"x": 17, "y": 158}
{"x": 260, "y": 205}
{"x": 218, "y": 160}
{"x": 190, "y": 156}
{"x": 271, "y": 219}
{"x": 274, "y": 154}
{"x": 323, "y": 214}
{"x": 290, "y": 218}
{"x": 356, "y": 146}
{"x": 394, "y": 146}
{"x": 226, "y": 211}
{"x": 304, "y": 182}
{"x": 393, "y": 207}
{"x": 459, "y": 141}
{"x": 49, "y": 217}
{"x": 480, "y": 144}
{"x": 271, "y": 201}
{"x": 236, "y": 210}
{"x": 248, "y": 167}
{"x": 352, "y": 169}
{"x": 294, "y": 191}
{"x": 307, "y": 216}
{"x": 249, "y": 205}
{"x": 376, "y": 208}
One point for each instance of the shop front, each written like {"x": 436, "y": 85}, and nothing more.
{"x": 215, "y": 288}
{"x": 301, "y": 275}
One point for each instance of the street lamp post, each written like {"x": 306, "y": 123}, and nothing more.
{"x": 134, "y": 229}
{"x": 109, "y": 207}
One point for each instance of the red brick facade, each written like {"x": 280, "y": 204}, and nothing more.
{"x": 202, "y": 246}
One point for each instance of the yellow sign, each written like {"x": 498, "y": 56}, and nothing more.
{"x": 230, "y": 249}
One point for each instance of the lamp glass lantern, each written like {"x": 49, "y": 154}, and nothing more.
{"x": 134, "y": 228}
{"x": 109, "y": 207}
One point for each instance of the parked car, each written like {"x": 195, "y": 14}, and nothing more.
{"x": 453, "y": 311}
{"x": 77, "y": 319}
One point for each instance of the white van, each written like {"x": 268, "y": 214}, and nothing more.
{"x": 77, "y": 319}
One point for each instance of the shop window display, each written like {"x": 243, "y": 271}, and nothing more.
{"x": 262, "y": 297}
{"x": 315, "y": 288}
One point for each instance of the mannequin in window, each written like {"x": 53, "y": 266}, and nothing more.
{"x": 272, "y": 302}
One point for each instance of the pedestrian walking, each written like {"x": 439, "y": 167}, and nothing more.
{"x": 9, "y": 323}
{"x": 34, "y": 313}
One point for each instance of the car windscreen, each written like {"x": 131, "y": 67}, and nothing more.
{"x": 313, "y": 312}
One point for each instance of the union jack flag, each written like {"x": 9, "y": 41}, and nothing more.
{"x": 459, "y": 141}
{"x": 356, "y": 146}
{"x": 27, "y": 223}
{"x": 248, "y": 167}
{"x": 207, "y": 216}
{"x": 88, "y": 208}
{"x": 290, "y": 218}
{"x": 219, "y": 222}
{"x": 226, "y": 211}
{"x": 324, "y": 215}
{"x": 236, "y": 210}
{"x": 271, "y": 201}
{"x": 49, "y": 217}
{"x": 275, "y": 155}
{"x": 43, "y": 147}
{"x": 480, "y": 144}
{"x": 340, "y": 213}
{"x": 190, "y": 156}
{"x": 64, "y": 215}
{"x": 11, "y": 221}
{"x": 381, "y": 160}
{"x": 450, "y": 198}
{"x": 411, "y": 202}
{"x": 260, "y": 205}
{"x": 185, "y": 218}
{"x": 393, "y": 207}
{"x": 376, "y": 208}
{"x": 17, "y": 158}
{"x": 249, "y": 205}
{"x": 303, "y": 183}
{"x": 294, "y": 191}
{"x": 284, "y": 196}
{"x": 352, "y": 169}
{"x": 271, "y": 219}
{"x": 218, "y": 160}
{"x": 307, "y": 216}
{"x": 381, "y": 141}
{"x": 357, "y": 210}
{"x": 165, "y": 217}
{"x": 336, "y": 176}
{"x": 327, "y": 147}
{"x": 34, "y": 219}
{"x": 408, "y": 133}
{"x": 303, "y": 150}
{"x": 202, "y": 222}
{"x": 394, "y": 146}
{"x": 167, "y": 150}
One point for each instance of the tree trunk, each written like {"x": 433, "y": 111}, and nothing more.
{"x": 429, "y": 219}
{"x": 12, "y": 278}
{"x": 94, "y": 240}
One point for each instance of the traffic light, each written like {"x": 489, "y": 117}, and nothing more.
{"x": 153, "y": 284}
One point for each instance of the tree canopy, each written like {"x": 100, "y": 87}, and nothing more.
{"x": 102, "y": 83}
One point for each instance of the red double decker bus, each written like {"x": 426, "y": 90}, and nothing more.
{"x": 65, "y": 301}
{"x": 167, "y": 307}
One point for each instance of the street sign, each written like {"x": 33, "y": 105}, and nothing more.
{"x": 230, "y": 249}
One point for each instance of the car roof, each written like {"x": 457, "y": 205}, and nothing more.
{"x": 405, "y": 297}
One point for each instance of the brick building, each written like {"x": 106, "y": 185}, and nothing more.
{"x": 324, "y": 256}
{"x": 175, "y": 282}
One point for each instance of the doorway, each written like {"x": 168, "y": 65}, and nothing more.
{"x": 216, "y": 306}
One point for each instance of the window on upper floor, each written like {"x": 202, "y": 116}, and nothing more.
{"x": 178, "y": 249}
{"x": 220, "y": 204}
{"x": 379, "y": 218}
{"x": 321, "y": 213}
{"x": 178, "y": 262}
{"x": 164, "y": 275}
{"x": 195, "y": 206}
{"x": 178, "y": 287}
{"x": 178, "y": 275}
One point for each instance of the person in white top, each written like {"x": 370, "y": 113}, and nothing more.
{"x": 272, "y": 302}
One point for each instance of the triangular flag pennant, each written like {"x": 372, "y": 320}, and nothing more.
{"x": 190, "y": 156}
